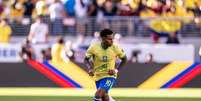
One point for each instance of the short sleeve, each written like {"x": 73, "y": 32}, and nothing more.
{"x": 119, "y": 51}
{"x": 89, "y": 52}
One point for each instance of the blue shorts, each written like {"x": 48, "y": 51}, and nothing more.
{"x": 105, "y": 83}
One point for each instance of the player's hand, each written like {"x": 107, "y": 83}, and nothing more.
{"x": 112, "y": 71}
{"x": 90, "y": 72}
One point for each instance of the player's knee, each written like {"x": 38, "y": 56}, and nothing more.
{"x": 106, "y": 97}
{"x": 106, "y": 94}
{"x": 100, "y": 93}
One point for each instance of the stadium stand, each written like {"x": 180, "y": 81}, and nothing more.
{"x": 127, "y": 17}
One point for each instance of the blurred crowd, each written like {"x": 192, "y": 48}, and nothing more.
{"x": 81, "y": 8}
{"x": 162, "y": 17}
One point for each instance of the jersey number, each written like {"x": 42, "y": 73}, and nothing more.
{"x": 108, "y": 83}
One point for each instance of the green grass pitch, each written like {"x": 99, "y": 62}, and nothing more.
{"x": 67, "y": 98}
{"x": 119, "y": 94}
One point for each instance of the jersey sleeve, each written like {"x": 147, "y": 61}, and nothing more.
{"x": 89, "y": 52}
{"x": 119, "y": 51}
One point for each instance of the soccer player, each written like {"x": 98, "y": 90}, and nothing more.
{"x": 101, "y": 62}
{"x": 58, "y": 51}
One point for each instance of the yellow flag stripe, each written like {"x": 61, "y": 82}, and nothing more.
{"x": 165, "y": 74}
{"x": 75, "y": 73}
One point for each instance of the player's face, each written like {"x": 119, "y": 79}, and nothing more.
{"x": 108, "y": 40}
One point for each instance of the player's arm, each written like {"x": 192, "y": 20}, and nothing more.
{"x": 122, "y": 63}
{"x": 118, "y": 66}
{"x": 88, "y": 62}
{"x": 89, "y": 65}
{"x": 122, "y": 56}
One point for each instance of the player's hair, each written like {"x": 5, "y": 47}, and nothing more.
{"x": 106, "y": 32}
{"x": 60, "y": 40}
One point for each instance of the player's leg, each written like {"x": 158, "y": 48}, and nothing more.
{"x": 112, "y": 81}
{"x": 106, "y": 97}
{"x": 98, "y": 94}
{"x": 106, "y": 84}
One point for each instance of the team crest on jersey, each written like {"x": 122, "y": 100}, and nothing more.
{"x": 105, "y": 58}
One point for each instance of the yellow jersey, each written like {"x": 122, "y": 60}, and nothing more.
{"x": 104, "y": 59}
{"x": 5, "y": 33}
{"x": 56, "y": 52}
